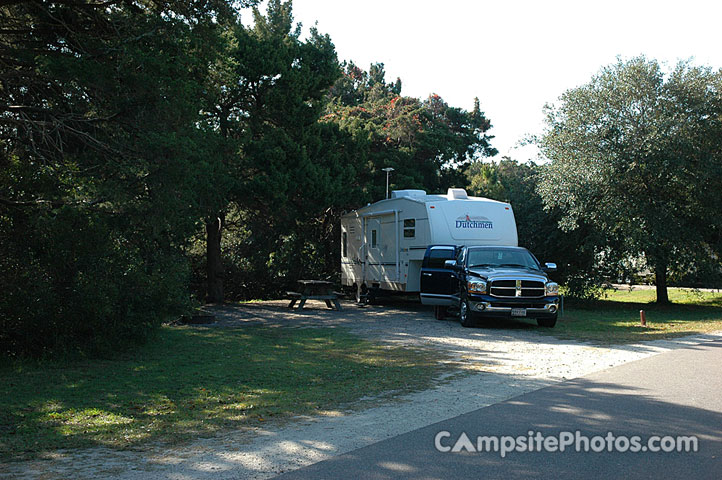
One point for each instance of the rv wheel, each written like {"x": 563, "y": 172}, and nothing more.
{"x": 362, "y": 294}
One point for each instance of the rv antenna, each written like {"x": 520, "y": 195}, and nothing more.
{"x": 387, "y": 170}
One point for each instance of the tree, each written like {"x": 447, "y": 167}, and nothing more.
{"x": 101, "y": 164}
{"x": 427, "y": 142}
{"x": 574, "y": 252}
{"x": 637, "y": 154}
{"x": 267, "y": 98}
{"x": 295, "y": 175}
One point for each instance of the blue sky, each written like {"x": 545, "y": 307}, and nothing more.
{"x": 514, "y": 55}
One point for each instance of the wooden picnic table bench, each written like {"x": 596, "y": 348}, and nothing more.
{"x": 315, "y": 290}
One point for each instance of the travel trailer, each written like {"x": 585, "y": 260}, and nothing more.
{"x": 383, "y": 244}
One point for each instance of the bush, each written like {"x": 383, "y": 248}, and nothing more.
{"x": 77, "y": 282}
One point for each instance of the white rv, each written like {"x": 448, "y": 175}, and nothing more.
{"x": 383, "y": 244}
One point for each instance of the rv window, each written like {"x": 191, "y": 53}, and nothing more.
{"x": 409, "y": 228}
{"x": 373, "y": 239}
{"x": 344, "y": 251}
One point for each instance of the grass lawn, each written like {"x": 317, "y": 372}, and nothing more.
{"x": 195, "y": 381}
{"x": 615, "y": 319}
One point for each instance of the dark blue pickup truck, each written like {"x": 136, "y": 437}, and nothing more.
{"x": 489, "y": 282}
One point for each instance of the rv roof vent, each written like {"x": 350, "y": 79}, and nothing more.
{"x": 456, "y": 194}
{"x": 407, "y": 193}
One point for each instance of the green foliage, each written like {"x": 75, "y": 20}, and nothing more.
{"x": 267, "y": 246}
{"x": 575, "y": 253}
{"x": 51, "y": 297}
{"x": 636, "y": 155}
{"x": 288, "y": 172}
{"x": 302, "y": 174}
{"x": 101, "y": 168}
{"x": 126, "y": 126}
{"x": 428, "y": 143}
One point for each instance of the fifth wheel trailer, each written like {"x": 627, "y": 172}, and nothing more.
{"x": 383, "y": 244}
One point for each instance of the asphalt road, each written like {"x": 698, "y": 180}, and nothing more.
{"x": 677, "y": 393}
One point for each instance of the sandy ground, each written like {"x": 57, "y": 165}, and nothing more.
{"x": 503, "y": 360}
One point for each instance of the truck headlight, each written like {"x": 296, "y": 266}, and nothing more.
{"x": 552, "y": 288}
{"x": 476, "y": 286}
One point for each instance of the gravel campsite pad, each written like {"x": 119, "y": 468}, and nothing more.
{"x": 500, "y": 361}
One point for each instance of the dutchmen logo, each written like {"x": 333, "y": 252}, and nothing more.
{"x": 465, "y": 221}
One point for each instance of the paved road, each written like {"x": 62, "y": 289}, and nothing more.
{"x": 674, "y": 393}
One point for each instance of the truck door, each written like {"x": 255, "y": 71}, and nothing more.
{"x": 439, "y": 285}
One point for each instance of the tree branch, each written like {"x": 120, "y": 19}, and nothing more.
{"x": 53, "y": 203}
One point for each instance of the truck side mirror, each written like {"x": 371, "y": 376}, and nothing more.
{"x": 450, "y": 264}
{"x": 550, "y": 267}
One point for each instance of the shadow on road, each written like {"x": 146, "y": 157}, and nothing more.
{"x": 590, "y": 407}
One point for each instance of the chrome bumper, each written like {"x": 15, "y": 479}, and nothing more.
{"x": 549, "y": 309}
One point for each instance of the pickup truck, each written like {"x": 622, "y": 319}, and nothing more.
{"x": 489, "y": 282}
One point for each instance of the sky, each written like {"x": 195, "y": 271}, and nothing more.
{"x": 516, "y": 56}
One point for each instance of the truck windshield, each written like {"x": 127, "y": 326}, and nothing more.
{"x": 501, "y": 257}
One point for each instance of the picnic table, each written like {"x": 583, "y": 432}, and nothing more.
{"x": 315, "y": 290}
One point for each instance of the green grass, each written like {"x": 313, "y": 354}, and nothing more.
{"x": 190, "y": 382}
{"x": 615, "y": 319}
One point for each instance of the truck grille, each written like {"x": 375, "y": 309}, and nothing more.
{"x": 530, "y": 304}
{"x": 509, "y": 288}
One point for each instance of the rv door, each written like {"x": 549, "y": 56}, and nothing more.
{"x": 373, "y": 241}
{"x": 438, "y": 283}
{"x": 381, "y": 240}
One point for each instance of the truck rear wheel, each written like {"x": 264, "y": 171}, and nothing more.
{"x": 465, "y": 315}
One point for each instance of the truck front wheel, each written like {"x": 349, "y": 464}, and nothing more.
{"x": 547, "y": 322}
{"x": 465, "y": 315}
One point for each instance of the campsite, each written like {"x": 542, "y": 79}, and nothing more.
{"x": 314, "y": 239}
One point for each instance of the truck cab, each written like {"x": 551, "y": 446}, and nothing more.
{"x": 489, "y": 282}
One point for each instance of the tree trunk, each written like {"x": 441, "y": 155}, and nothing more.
{"x": 214, "y": 262}
{"x": 660, "y": 273}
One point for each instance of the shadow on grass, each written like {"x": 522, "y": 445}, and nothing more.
{"x": 191, "y": 382}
